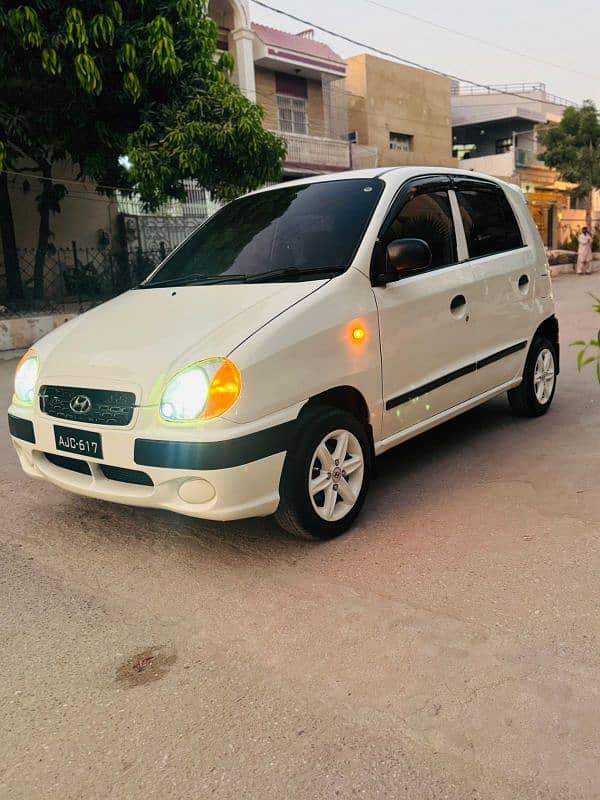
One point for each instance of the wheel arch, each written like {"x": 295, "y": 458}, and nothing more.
{"x": 550, "y": 330}
{"x": 347, "y": 398}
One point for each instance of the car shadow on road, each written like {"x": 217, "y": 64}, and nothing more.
{"x": 415, "y": 462}
{"x": 405, "y": 476}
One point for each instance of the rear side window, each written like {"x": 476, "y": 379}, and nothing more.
{"x": 489, "y": 222}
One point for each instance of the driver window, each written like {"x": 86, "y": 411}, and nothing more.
{"x": 428, "y": 217}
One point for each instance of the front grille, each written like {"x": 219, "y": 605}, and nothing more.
{"x": 64, "y": 462}
{"x": 120, "y": 474}
{"x": 126, "y": 475}
{"x": 106, "y": 407}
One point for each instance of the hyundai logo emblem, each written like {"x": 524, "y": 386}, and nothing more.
{"x": 80, "y": 404}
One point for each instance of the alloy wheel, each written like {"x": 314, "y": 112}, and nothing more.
{"x": 336, "y": 475}
{"x": 544, "y": 376}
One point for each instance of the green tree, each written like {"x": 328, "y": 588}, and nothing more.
{"x": 573, "y": 149}
{"x": 92, "y": 82}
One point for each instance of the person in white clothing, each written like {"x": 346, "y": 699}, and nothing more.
{"x": 584, "y": 253}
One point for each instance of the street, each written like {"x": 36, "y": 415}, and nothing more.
{"x": 447, "y": 647}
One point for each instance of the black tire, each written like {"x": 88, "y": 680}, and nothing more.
{"x": 523, "y": 399}
{"x": 296, "y": 513}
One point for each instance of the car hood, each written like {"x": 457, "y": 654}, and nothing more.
{"x": 146, "y": 335}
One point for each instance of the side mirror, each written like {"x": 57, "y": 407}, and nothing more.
{"x": 407, "y": 255}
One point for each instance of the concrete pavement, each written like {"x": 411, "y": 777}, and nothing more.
{"x": 447, "y": 647}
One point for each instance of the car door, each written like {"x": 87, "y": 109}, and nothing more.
{"x": 504, "y": 274}
{"x": 427, "y": 349}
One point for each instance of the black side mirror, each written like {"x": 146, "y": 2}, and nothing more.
{"x": 407, "y": 255}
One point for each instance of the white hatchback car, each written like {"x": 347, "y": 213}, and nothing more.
{"x": 298, "y": 333}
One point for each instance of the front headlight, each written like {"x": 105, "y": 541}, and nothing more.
{"x": 26, "y": 378}
{"x": 201, "y": 391}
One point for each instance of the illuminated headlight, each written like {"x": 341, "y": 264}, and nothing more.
{"x": 201, "y": 391}
{"x": 26, "y": 378}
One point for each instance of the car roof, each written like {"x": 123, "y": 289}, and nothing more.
{"x": 394, "y": 175}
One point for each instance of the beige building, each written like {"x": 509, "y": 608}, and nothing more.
{"x": 298, "y": 80}
{"x": 403, "y": 113}
{"x": 495, "y": 132}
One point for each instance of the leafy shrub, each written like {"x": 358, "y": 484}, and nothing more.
{"x": 572, "y": 244}
{"x": 82, "y": 280}
{"x": 593, "y": 346}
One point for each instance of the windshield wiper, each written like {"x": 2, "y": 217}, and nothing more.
{"x": 194, "y": 280}
{"x": 292, "y": 272}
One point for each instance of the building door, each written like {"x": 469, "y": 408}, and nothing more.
{"x": 551, "y": 243}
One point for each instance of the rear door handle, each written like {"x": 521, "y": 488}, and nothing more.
{"x": 458, "y": 305}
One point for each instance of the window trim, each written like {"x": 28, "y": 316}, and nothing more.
{"x": 429, "y": 182}
{"x": 423, "y": 184}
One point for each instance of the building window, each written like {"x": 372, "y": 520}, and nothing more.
{"x": 353, "y": 137}
{"x": 462, "y": 151}
{"x": 293, "y": 117}
{"x": 223, "y": 40}
{"x": 292, "y": 94}
{"x": 579, "y": 203}
{"x": 401, "y": 141}
{"x": 504, "y": 145}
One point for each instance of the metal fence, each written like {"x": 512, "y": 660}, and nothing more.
{"x": 73, "y": 279}
{"x": 198, "y": 204}
{"x": 537, "y": 90}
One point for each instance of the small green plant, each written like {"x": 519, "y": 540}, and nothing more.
{"x": 593, "y": 346}
{"x": 82, "y": 280}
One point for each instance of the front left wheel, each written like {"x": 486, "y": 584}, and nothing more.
{"x": 325, "y": 475}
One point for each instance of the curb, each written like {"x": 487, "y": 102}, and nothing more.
{"x": 569, "y": 269}
{"x": 19, "y": 333}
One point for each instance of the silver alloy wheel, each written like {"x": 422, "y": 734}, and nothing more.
{"x": 544, "y": 376}
{"x": 336, "y": 475}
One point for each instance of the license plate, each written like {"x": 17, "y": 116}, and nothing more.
{"x": 82, "y": 443}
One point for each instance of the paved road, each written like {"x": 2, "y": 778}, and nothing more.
{"x": 448, "y": 647}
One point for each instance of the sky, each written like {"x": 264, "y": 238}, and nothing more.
{"x": 555, "y": 41}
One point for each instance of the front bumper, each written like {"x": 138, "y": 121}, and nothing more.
{"x": 223, "y": 479}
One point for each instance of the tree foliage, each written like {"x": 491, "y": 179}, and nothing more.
{"x": 94, "y": 81}
{"x": 99, "y": 80}
{"x": 572, "y": 147}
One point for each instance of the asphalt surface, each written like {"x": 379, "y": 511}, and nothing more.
{"x": 447, "y": 647}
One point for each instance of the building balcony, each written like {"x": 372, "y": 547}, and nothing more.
{"x": 528, "y": 158}
{"x": 314, "y": 154}
{"x": 504, "y": 165}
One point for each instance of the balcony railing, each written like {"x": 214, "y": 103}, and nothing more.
{"x": 504, "y": 164}
{"x": 315, "y": 153}
{"x": 198, "y": 204}
{"x": 527, "y": 158}
{"x": 529, "y": 90}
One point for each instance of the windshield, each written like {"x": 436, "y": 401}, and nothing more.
{"x": 281, "y": 234}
